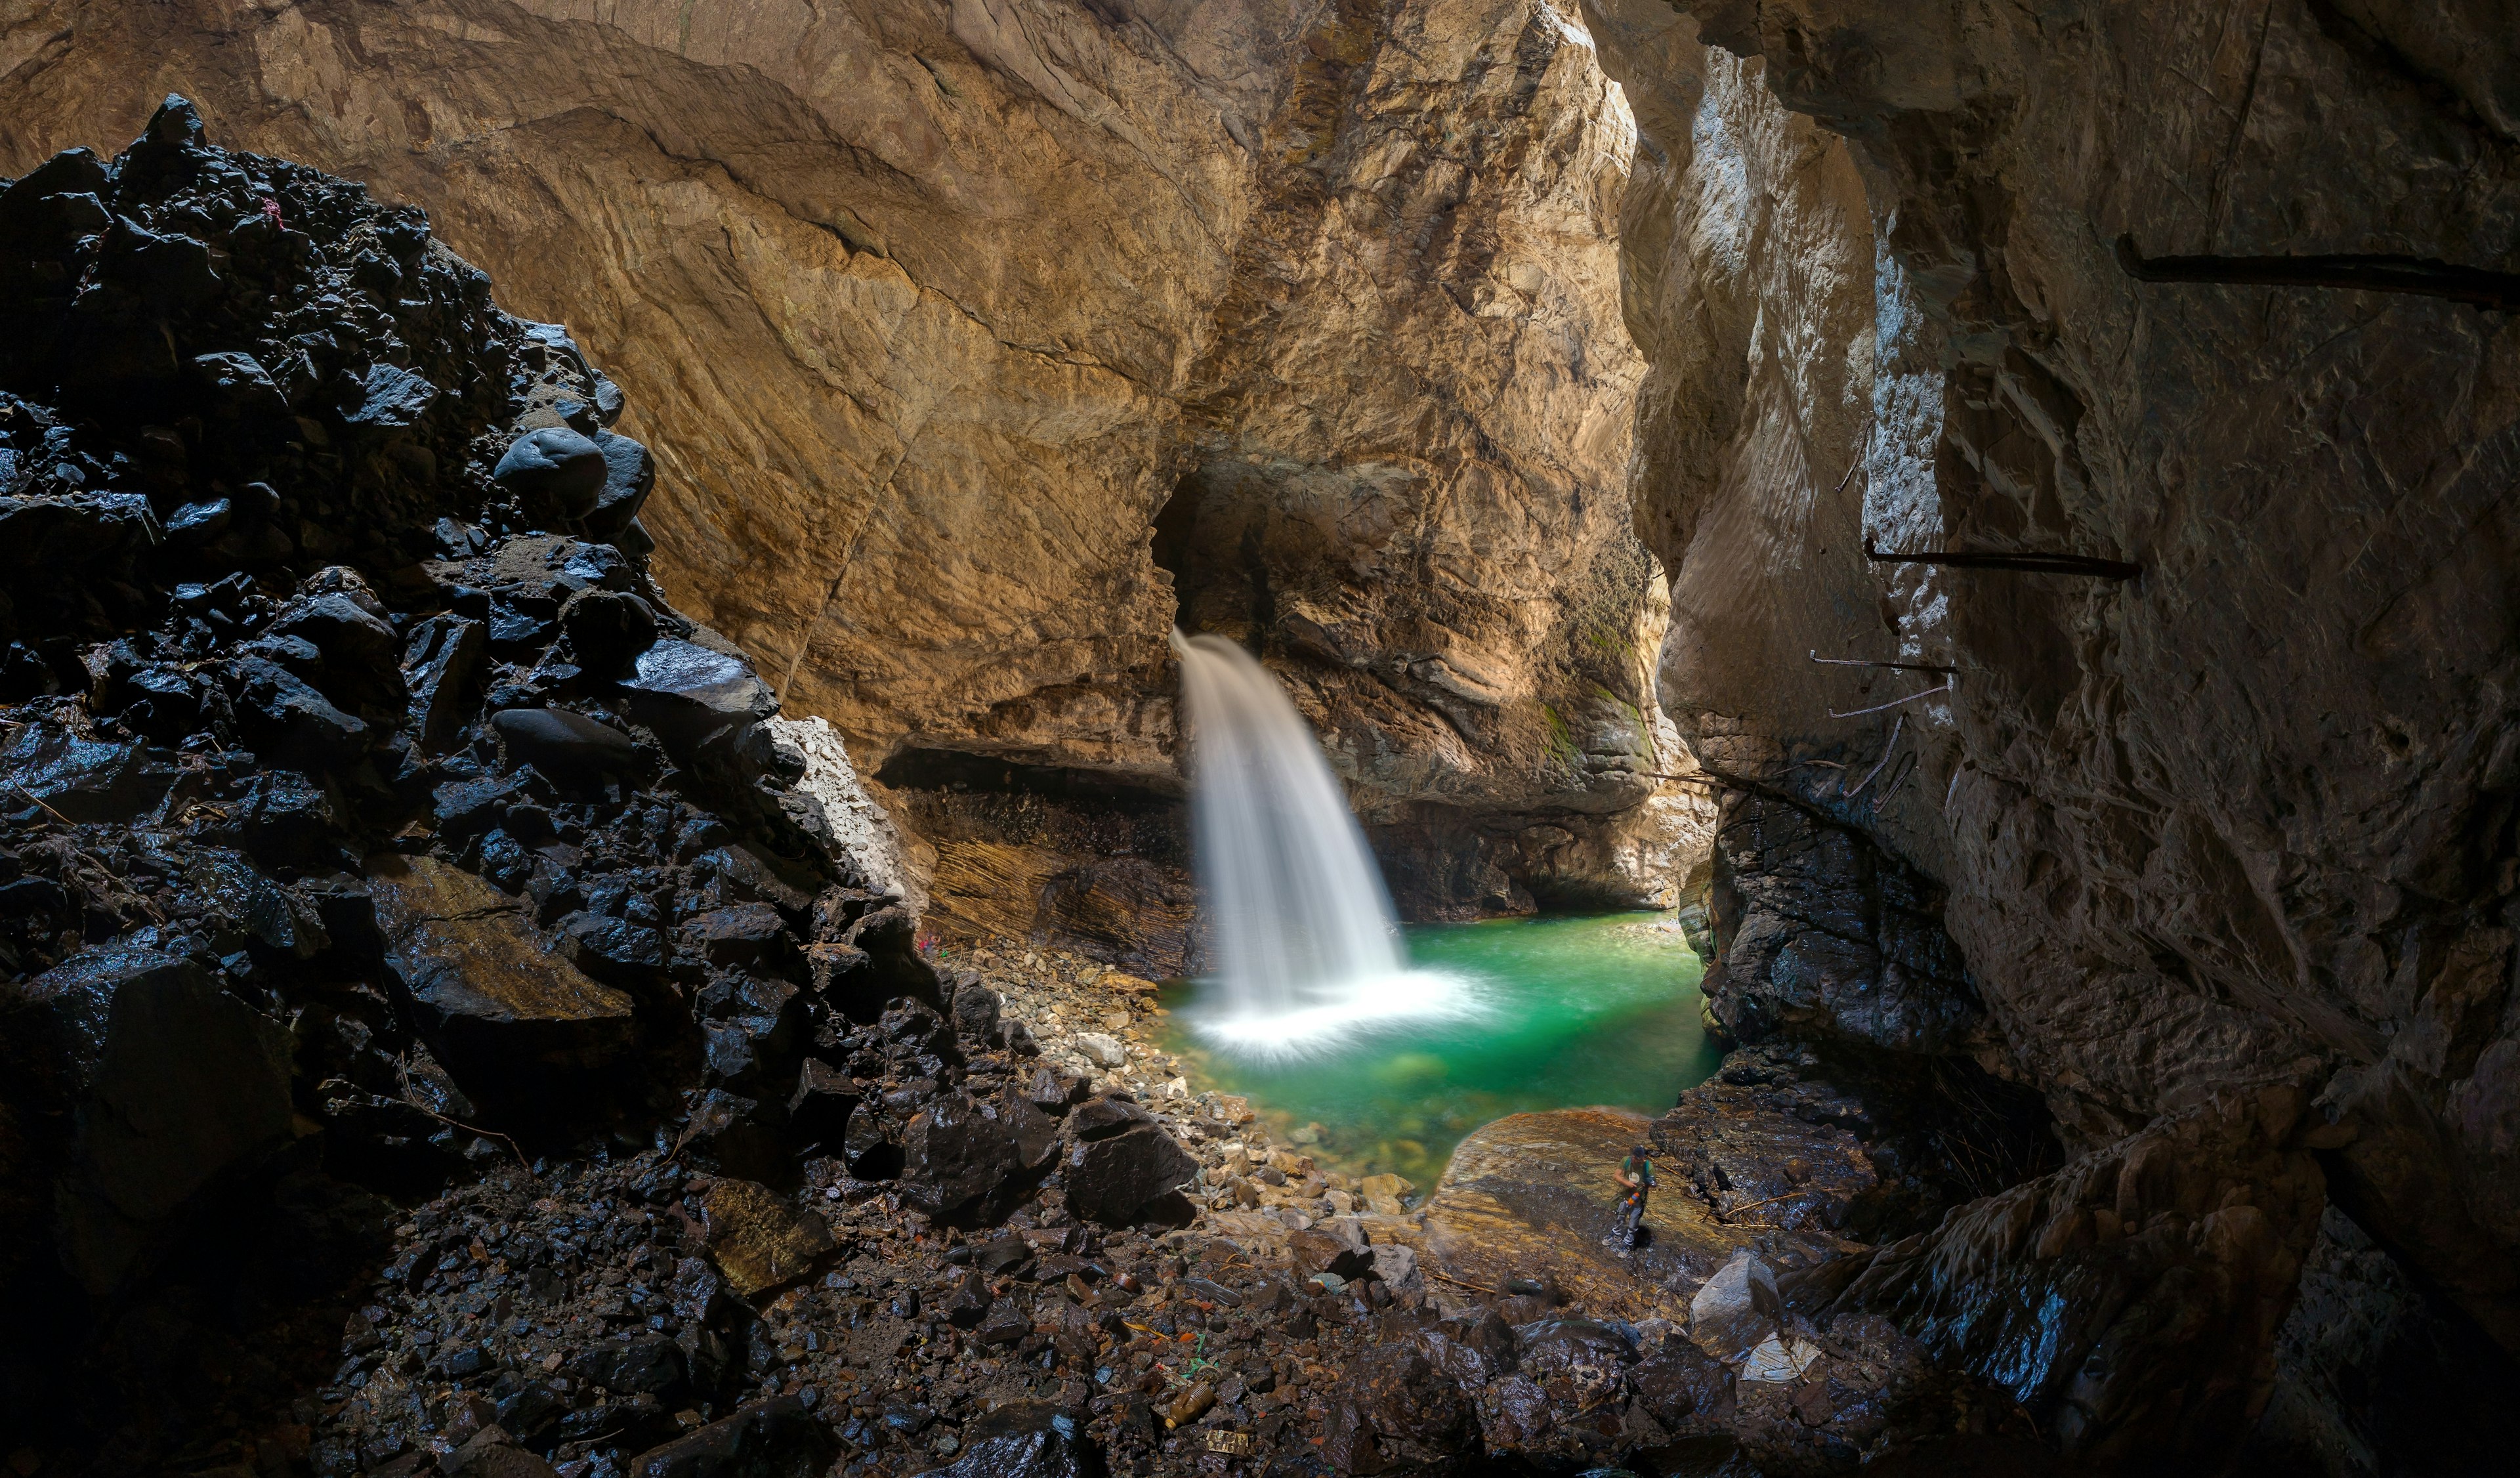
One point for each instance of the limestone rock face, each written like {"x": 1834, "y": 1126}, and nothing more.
{"x": 2243, "y": 819}
{"x": 978, "y": 341}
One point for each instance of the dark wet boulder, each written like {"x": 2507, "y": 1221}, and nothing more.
{"x": 440, "y": 661}
{"x": 745, "y": 934}
{"x": 1023, "y": 1438}
{"x": 504, "y": 1015}
{"x": 282, "y": 715}
{"x": 1055, "y": 1091}
{"x": 361, "y": 654}
{"x": 969, "y": 1302}
{"x": 555, "y": 468}
{"x": 174, "y": 1081}
{"x": 386, "y": 399}
{"x": 575, "y": 751}
{"x": 241, "y": 900}
{"x": 1472, "y": 1349}
{"x": 629, "y": 475}
{"x": 1102, "y": 1118}
{"x": 966, "y": 1157}
{"x": 686, "y": 692}
{"x": 725, "y": 1132}
{"x": 465, "y": 809}
{"x": 779, "y": 1437}
{"x": 1113, "y": 1181}
{"x": 2134, "y": 1293}
{"x": 817, "y": 1111}
{"x": 753, "y": 1049}
{"x": 1579, "y": 1361}
{"x": 608, "y": 628}
{"x": 236, "y": 384}
{"x": 1683, "y": 1388}
{"x": 1003, "y": 1325}
{"x": 1392, "y": 1408}
{"x": 290, "y": 821}
{"x": 67, "y": 774}
{"x": 613, "y": 951}
{"x": 974, "y": 1010}
{"x": 649, "y": 1362}
{"x": 159, "y": 702}
{"x": 913, "y": 1028}
{"x": 1319, "y": 1249}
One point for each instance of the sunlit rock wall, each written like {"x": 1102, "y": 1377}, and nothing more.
{"x": 930, "y": 308}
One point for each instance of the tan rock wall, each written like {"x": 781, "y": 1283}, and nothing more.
{"x": 929, "y": 307}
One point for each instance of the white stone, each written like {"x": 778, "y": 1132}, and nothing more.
{"x": 854, "y": 826}
{"x": 1102, "y": 1051}
{"x": 1737, "y": 1306}
{"x": 1774, "y": 1361}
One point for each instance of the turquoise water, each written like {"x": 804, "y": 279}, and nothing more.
{"x": 1574, "y": 1011}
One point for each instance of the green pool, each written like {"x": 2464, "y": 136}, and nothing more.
{"x": 1574, "y": 1011}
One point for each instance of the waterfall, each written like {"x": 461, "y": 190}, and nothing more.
{"x": 1306, "y": 948}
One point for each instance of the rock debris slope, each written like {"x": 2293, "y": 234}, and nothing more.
{"x": 2218, "y": 816}
{"x": 980, "y": 342}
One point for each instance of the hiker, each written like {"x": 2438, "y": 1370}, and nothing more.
{"x": 1635, "y": 1176}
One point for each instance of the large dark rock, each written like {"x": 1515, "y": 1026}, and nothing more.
{"x": 686, "y": 692}
{"x": 1102, "y": 1117}
{"x": 1023, "y": 1438}
{"x": 779, "y": 1437}
{"x": 971, "y": 1158}
{"x": 629, "y": 475}
{"x": 649, "y": 1362}
{"x": 1394, "y": 1409}
{"x": 67, "y": 774}
{"x": 576, "y": 751}
{"x": 1111, "y": 1181}
{"x": 727, "y": 1132}
{"x": 362, "y": 666}
{"x": 554, "y": 467}
{"x": 283, "y": 715}
{"x": 817, "y": 1111}
{"x": 1818, "y": 929}
{"x": 608, "y": 628}
{"x": 2129, "y": 1301}
{"x": 442, "y": 661}
{"x": 504, "y": 1014}
{"x": 175, "y": 1082}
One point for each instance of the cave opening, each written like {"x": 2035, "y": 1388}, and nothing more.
{"x": 454, "y": 1001}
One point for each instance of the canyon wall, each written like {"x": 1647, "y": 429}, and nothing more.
{"x": 979, "y": 340}
{"x": 1922, "y": 278}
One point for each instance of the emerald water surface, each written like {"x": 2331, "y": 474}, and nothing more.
{"x": 1575, "y": 1011}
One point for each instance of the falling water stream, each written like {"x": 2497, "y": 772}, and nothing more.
{"x": 1315, "y": 1011}
{"x": 1306, "y": 948}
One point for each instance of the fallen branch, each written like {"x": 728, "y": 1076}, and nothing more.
{"x": 2026, "y": 561}
{"x": 1857, "y": 714}
{"x": 402, "y": 1070}
{"x": 1461, "y": 1282}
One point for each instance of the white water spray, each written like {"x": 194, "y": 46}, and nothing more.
{"x": 1306, "y": 946}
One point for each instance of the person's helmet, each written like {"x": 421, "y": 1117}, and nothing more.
{"x": 1642, "y": 1151}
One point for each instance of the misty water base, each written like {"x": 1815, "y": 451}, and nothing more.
{"x": 1570, "y": 1013}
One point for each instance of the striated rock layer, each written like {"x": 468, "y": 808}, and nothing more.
{"x": 2197, "y": 309}
{"x": 980, "y": 342}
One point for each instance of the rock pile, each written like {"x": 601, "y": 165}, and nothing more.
{"x": 372, "y": 821}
